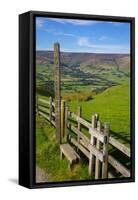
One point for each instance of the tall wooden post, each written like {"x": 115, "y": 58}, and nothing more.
{"x": 79, "y": 114}
{"x": 105, "y": 151}
{"x": 66, "y": 122}
{"x": 79, "y": 125}
{"x": 97, "y": 162}
{"x": 63, "y": 105}
{"x": 57, "y": 91}
{"x": 92, "y": 158}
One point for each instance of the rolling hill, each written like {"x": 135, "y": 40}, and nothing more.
{"x": 73, "y": 60}
{"x": 113, "y": 105}
{"x": 84, "y": 71}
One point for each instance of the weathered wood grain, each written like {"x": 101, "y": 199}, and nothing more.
{"x": 81, "y": 135}
{"x": 70, "y": 153}
{"x": 44, "y": 109}
{"x": 120, "y": 146}
{"x": 43, "y": 101}
{"x": 66, "y": 123}
{"x": 62, "y": 119}
{"x": 88, "y": 125}
{"x": 79, "y": 124}
{"x": 50, "y": 109}
{"x": 118, "y": 166}
{"x": 97, "y": 162}
{"x": 83, "y": 149}
{"x": 57, "y": 91}
{"x": 93, "y": 141}
{"x": 43, "y": 115}
{"x": 105, "y": 152}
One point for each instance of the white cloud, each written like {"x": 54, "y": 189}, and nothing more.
{"x": 79, "y": 22}
{"x": 39, "y": 22}
{"x": 54, "y": 32}
{"x": 65, "y": 34}
{"x": 99, "y": 48}
{"x": 103, "y": 38}
{"x": 75, "y": 21}
{"x": 83, "y": 41}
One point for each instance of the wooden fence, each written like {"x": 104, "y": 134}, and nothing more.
{"x": 46, "y": 108}
{"x": 90, "y": 138}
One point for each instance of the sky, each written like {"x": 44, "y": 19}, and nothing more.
{"x": 82, "y": 35}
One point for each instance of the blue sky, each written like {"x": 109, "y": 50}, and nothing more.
{"x": 82, "y": 35}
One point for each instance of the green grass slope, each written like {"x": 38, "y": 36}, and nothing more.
{"x": 113, "y": 106}
{"x": 48, "y": 156}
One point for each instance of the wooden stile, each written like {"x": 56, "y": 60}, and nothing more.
{"x": 44, "y": 109}
{"x": 62, "y": 119}
{"x": 57, "y": 91}
{"x": 97, "y": 162}
{"x": 120, "y": 146}
{"x": 66, "y": 123}
{"x": 79, "y": 125}
{"x": 117, "y": 165}
{"x": 105, "y": 151}
{"x": 43, "y": 115}
{"x": 43, "y": 101}
{"x": 92, "y": 158}
{"x": 96, "y": 149}
{"x": 79, "y": 114}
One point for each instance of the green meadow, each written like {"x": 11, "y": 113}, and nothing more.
{"x": 48, "y": 156}
{"x": 99, "y": 84}
{"x": 112, "y": 105}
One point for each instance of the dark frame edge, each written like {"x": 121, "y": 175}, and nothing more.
{"x": 24, "y": 98}
{"x": 133, "y": 98}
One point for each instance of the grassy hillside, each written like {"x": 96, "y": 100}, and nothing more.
{"x": 97, "y": 82}
{"x": 71, "y": 59}
{"x": 113, "y": 106}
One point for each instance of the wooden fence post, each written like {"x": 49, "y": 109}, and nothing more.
{"x": 50, "y": 109}
{"x": 57, "y": 91}
{"x": 105, "y": 151}
{"x": 79, "y": 114}
{"x": 92, "y": 158}
{"x": 62, "y": 119}
{"x": 97, "y": 162}
{"x": 66, "y": 122}
{"x": 79, "y": 125}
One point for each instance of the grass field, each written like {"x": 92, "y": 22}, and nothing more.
{"x": 48, "y": 156}
{"x": 76, "y": 79}
{"x": 113, "y": 106}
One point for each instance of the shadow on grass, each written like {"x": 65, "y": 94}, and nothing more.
{"x": 124, "y": 137}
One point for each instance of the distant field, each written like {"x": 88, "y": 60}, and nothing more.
{"x": 93, "y": 81}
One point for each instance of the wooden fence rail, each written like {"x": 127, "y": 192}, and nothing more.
{"x": 95, "y": 147}
{"x": 46, "y": 108}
